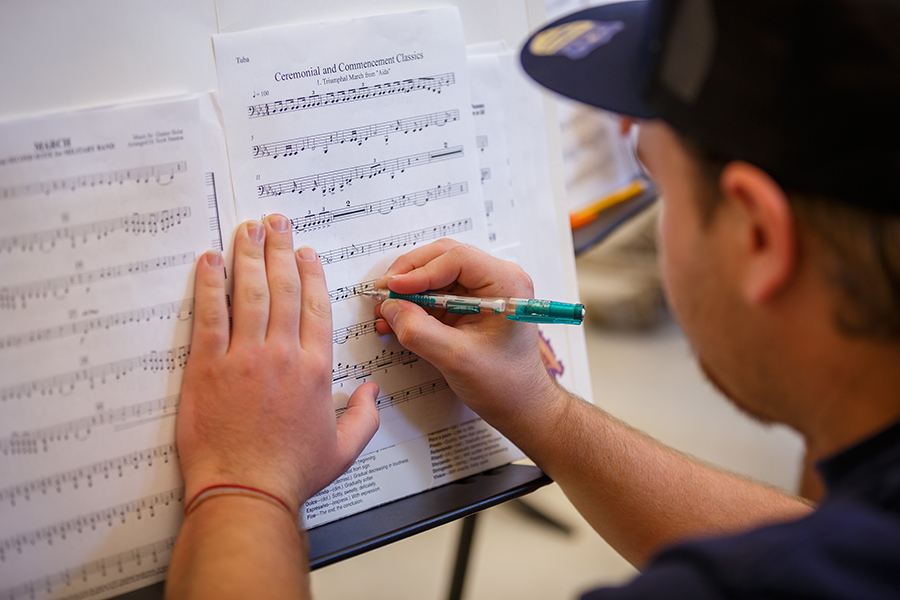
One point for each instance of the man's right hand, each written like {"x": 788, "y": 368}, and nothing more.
{"x": 493, "y": 365}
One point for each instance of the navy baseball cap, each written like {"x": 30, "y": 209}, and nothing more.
{"x": 808, "y": 90}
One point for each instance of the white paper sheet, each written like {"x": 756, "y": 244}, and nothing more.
{"x": 361, "y": 133}
{"x": 493, "y": 155}
{"x": 105, "y": 212}
{"x": 534, "y": 215}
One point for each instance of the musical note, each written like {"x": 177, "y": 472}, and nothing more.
{"x": 324, "y": 219}
{"x": 48, "y": 533}
{"x": 162, "y": 174}
{"x": 350, "y": 291}
{"x": 183, "y": 310}
{"x": 343, "y": 334}
{"x": 411, "y": 238}
{"x": 12, "y": 296}
{"x": 47, "y": 583}
{"x": 335, "y": 181}
{"x": 385, "y": 360}
{"x": 39, "y": 440}
{"x": 405, "y": 395}
{"x": 481, "y": 142}
{"x": 165, "y": 360}
{"x": 432, "y": 84}
{"x": 356, "y": 135}
{"x": 485, "y": 174}
{"x": 136, "y": 224}
{"x": 113, "y": 467}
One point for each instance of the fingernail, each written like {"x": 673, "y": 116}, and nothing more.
{"x": 279, "y": 223}
{"x": 214, "y": 259}
{"x": 255, "y": 230}
{"x": 306, "y": 253}
{"x": 389, "y": 310}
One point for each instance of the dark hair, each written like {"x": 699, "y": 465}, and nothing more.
{"x": 865, "y": 246}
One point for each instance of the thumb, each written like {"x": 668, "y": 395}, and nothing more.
{"x": 358, "y": 423}
{"x": 418, "y": 331}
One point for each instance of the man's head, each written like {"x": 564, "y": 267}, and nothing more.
{"x": 780, "y": 226}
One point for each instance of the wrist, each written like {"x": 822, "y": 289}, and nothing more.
{"x": 196, "y": 483}
{"x": 225, "y": 508}
{"x": 214, "y": 491}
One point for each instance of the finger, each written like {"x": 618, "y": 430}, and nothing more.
{"x": 315, "y": 303}
{"x": 358, "y": 423}
{"x": 284, "y": 280}
{"x": 251, "y": 290}
{"x": 417, "y": 258}
{"x": 421, "y": 333}
{"x": 476, "y": 271}
{"x": 210, "y": 335}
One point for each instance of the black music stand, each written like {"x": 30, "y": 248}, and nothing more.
{"x": 398, "y": 520}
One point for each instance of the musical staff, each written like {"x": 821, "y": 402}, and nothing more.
{"x": 481, "y": 142}
{"x": 48, "y": 533}
{"x": 485, "y": 174}
{"x": 103, "y": 469}
{"x": 165, "y": 360}
{"x": 182, "y": 310}
{"x": 343, "y": 334}
{"x": 12, "y": 296}
{"x": 212, "y": 205}
{"x": 395, "y": 241}
{"x": 48, "y": 583}
{"x": 39, "y": 440}
{"x": 357, "y": 135}
{"x": 378, "y": 207}
{"x": 405, "y": 395}
{"x": 136, "y": 224}
{"x": 433, "y": 84}
{"x": 335, "y": 181}
{"x": 350, "y": 291}
{"x": 162, "y": 174}
{"x": 385, "y": 360}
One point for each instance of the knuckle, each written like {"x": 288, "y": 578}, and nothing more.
{"x": 282, "y": 355}
{"x": 461, "y": 251}
{"x": 255, "y": 294}
{"x": 286, "y": 286}
{"x": 408, "y": 333}
{"x": 317, "y": 307}
{"x": 280, "y": 241}
{"x": 208, "y": 320}
{"x": 524, "y": 279}
{"x": 248, "y": 250}
{"x": 319, "y": 370}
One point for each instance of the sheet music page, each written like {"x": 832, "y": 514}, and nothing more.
{"x": 493, "y": 155}
{"x": 105, "y": 212}
{"x": 361, "y": 133}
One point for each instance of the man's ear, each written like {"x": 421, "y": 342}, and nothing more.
{"x": 766, "y": 234}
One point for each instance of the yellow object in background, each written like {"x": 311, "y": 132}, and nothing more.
{"x": 586, "y": 215}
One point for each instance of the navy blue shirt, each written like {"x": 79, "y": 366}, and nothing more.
{"x": 849, "y": 548}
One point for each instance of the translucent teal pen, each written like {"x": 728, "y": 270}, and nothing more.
{"x": 515, "y": 309}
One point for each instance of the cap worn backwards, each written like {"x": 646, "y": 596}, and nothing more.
{"x": 807, "y": 90}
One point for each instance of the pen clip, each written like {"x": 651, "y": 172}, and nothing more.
{"x": 544, "y": 320}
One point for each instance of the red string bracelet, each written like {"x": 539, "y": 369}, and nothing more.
{"x": 229, "y": 489}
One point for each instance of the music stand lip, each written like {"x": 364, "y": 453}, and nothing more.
{"x": 398, "y": 520}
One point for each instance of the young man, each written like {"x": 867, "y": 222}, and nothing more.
{"x": 780, "y": 248}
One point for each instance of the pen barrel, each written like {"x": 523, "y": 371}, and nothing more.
{"x": 545, "y": 311}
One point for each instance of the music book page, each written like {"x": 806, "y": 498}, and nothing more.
{"x": 105, "y": 212}
{"x": 361, "y": 133}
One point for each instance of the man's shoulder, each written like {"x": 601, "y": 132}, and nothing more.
{"x": 843, "y": 550}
